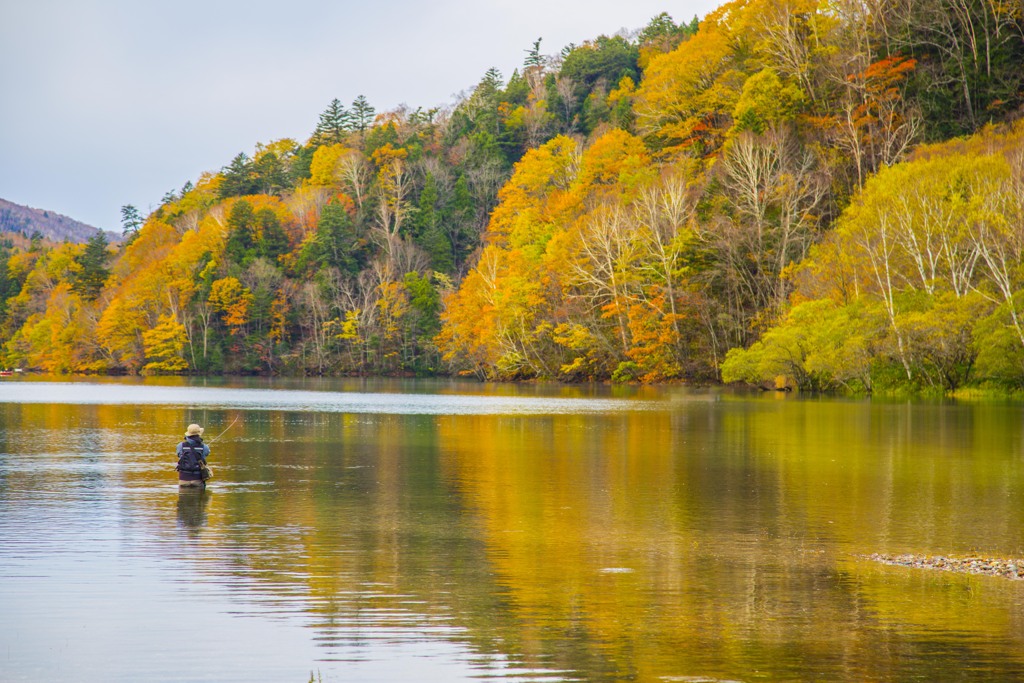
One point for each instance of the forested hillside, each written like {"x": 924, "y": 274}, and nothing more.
{"x": 39, "y": 223}
{"x": 768, "y": 192}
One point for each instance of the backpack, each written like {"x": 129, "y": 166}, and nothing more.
{"x": 190, "y": 459}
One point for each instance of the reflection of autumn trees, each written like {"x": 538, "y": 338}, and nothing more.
{"x": 663, "y": 548}
{"x": 713, "y": 538}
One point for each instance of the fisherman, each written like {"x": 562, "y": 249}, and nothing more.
{"x": 192, "y": 455}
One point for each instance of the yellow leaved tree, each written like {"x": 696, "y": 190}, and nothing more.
{"x": 164, "y": 346}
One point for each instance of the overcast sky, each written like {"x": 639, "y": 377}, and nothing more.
{"x": 111, "y": 102}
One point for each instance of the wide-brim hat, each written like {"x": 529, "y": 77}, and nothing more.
{"x": 194, "y": 430}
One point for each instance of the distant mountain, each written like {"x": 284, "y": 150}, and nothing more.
{"x": 53, "y": 226}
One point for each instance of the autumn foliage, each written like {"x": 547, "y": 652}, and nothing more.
{"x": 815, "y": 193}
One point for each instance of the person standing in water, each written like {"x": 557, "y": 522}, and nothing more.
{"x": 192, "y": 455}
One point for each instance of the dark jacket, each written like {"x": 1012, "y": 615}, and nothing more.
{"x": 202, "y": 452}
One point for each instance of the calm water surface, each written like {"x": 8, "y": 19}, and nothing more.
{"x": 436, "y": 531}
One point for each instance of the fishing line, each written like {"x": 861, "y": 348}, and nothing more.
{"x": 223, "y": 432}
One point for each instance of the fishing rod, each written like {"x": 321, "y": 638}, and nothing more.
{"x": 224, "y": 432}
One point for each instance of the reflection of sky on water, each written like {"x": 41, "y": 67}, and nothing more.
{"x": 105, "y": 580}
{"x": 104, "y": 611}
{"x": 651, "y": 538}
{"x": 318, "y": 401}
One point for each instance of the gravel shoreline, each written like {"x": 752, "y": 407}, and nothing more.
{"x": 989, "y": 566}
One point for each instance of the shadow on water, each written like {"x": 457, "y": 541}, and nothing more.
{"x": 192, "y": 504}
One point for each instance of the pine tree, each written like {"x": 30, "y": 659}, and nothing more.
{"x": 270, "y": 173}
{"x": 241, "y": 244}
{"x": 429, "y": 233}
{"x": 239, "y": 177}
{"x": 336, "y": 241}
{"x": 462, "y": 234}
{"x": 534, "y": 59}
{"x": 131, "y": 221}
{"x": 335, "y": 122}
{"x": 272, "y": 241}
{"x": 492, "y": 80}
{"x": 426, "y": 210}
{"x": 362, "y": 114}
{"x": 9, "y": 287}
{"x": 93, "y": 271}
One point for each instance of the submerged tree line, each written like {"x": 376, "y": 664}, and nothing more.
{"x": 822, "y": 193}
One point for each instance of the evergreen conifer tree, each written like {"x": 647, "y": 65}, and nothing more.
{"x": 272, "y": 241}
{"x": 462, "y": 234}
{"x": 239, "y": 177}
{"x": 93, "y": 271}
{"x": 336, "y": 243}
{"x": 362, "y": 114}
{"x": 334, "y": 123}
{"x": 131, "y": 221}
{"x": 429, "y": 233}
{"x": 534, "y": 59}
{"x": 9, "y": 287}
{"x": 241, "y": 244}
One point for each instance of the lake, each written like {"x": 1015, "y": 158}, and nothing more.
{"x": 363, "y": 530}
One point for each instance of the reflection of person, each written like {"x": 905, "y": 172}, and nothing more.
{"x": 192, "y": 455}
{"x": 192, "y": 502}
